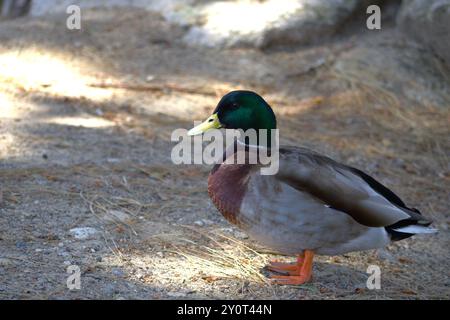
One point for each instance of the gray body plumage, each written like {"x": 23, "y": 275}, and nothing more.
{"x": 315, "y": 203}
{"x": 291, "y": 221}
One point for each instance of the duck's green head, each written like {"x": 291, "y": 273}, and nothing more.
{"x": 239, "y": 110}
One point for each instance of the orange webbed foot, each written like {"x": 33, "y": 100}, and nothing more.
{"x": 298, "y": 273}
{"x": 290, "y": 280}
{"x": 291, "y": 269}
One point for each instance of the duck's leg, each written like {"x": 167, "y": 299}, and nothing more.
{"x": 291, "y": 269}
{"x": 304, "y": 274}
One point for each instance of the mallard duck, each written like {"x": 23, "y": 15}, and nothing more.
{"x": 312, "y": 205}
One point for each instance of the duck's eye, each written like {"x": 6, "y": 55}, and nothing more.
{"x": 234, "y": 106}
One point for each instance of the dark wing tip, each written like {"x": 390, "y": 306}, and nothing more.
{"x": 417, "y": 220}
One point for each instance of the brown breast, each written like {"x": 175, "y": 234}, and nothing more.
{"x": 227, "y": 184}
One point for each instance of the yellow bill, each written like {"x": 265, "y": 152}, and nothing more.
{"x": 211, "y": 123}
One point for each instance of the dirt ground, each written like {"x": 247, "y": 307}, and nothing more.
{"x": 85, "y": 124}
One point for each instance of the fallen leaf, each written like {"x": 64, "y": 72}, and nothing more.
{"x": 409, "y": 291}
{"x": 210, "y": 278}
{"x": 404, "y": 260}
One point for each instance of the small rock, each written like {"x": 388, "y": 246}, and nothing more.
{"x": 207, "y": 222}
{"x": 204, "y": 222}
{"x": 67, "y": 263}
{"x": 139, "y": 276}
{"x": 4, "y": 262}
{"x": 228, "y": 230}
{"x": 83, "y": 233}
{"x": 117, "y": 272}
{"x": 176, "y": 294}
{"x": 240, "y": 235}
{"x": 63, "y": 253}
{"x": 29, "y": 214}
{"x": 236, "y": 233}
{"x": 21, "y": 245}
{"x": 199, "y": 223}
{"x": 160, "y": 254}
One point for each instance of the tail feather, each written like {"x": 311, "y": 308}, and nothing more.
{"x": 415, "y": 229}
{"x": 406, "y": 228}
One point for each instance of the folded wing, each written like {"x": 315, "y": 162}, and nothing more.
{"x": 348, "y": 190}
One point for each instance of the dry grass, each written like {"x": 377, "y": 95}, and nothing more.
{"x": 210, "y": 252}
{"x": 222, "y": 256}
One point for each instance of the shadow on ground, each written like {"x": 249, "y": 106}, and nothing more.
{"x": 86, "y": 143}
